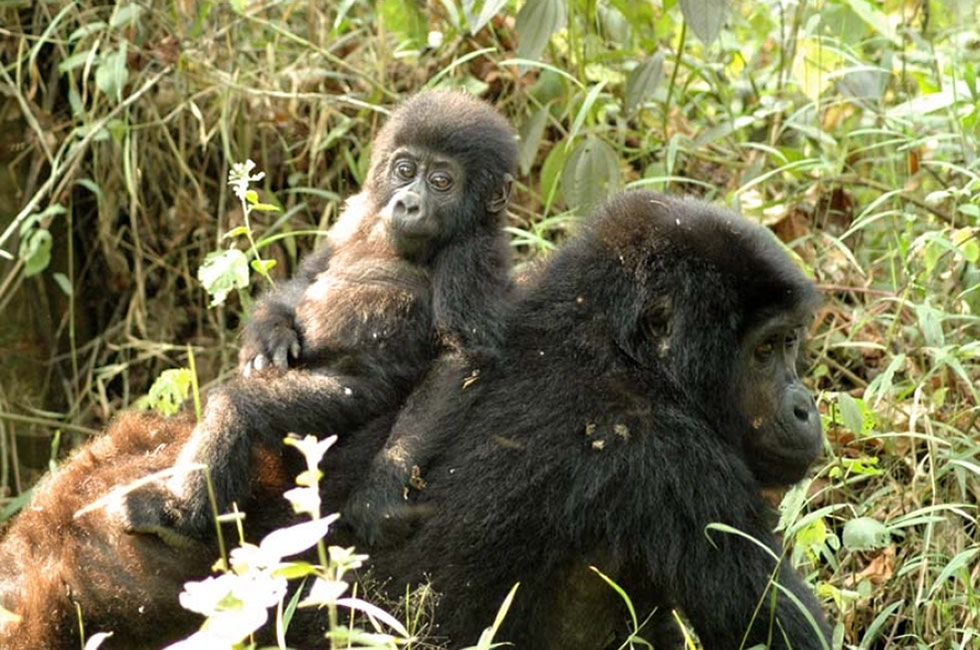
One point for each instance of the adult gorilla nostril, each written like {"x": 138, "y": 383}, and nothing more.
{"x": 802, "y": 413}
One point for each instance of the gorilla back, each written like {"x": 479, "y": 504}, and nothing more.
{"x": 647, "y": 390}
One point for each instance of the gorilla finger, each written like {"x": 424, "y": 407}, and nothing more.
{"x": 294, "y": 350}
{"x": 280, "y": 357}
{"x": 259, "y": 362}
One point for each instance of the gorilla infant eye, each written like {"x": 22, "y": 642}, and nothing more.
{"x": 440, "y": 181}
{"x": 405, "y": 169}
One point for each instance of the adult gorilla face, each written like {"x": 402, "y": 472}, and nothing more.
{"x": 784, "y": 435}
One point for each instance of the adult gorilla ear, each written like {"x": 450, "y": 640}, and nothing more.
{"x": 644, "y": 336}
{"x": 501, "y": 195}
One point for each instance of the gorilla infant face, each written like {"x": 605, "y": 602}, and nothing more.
{"x": 424, "y": 189}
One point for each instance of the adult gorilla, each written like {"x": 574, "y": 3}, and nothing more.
{"x": 647, "y": 390}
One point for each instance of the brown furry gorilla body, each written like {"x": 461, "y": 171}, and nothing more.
{"x": 415, "y": 270}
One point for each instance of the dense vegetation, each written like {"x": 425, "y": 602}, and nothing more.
{"x": 849, "y": 126}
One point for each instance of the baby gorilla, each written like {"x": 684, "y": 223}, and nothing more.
{"x": 415, "y": 269}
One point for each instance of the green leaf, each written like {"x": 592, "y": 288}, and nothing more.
{"x": 531, "y": 133}
{"x": 643, "y": 80}
{"x": 930, "y": 323}
{"x": 62, "y": 280}
{"x": 584, "y": 109}
{"x": 126, "y": 15}
{"x": 536, "y": 22}
{"x": 35, "y": 251}
{"x": 235, "y": 232}
{"x": 170, "y": 390}
{"x": 851, "y": 413}
{"x": 76, "y": 60}
{"x": 112, "y": 75}
{"x": 705, "y": 17}
{"x": 551, "y": 171}
{"x": 813, "y": 535}
{"x": 874, "y": 18}
{"x": 238, "y": 6}
{"x": 404, "y": 20}
{"x": 223, "y": 272}
{"x": 882, "y": 384}
{"x": 262, "y": 266}
{"x": 490, "y": 9}
{"x": 265, "y": 207}
{"x": 86, "y": 30}
{"x": 591, "y": 174}
{"x": 865, "y": 534}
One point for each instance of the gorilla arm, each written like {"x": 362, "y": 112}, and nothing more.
{"x": 272, "y": 335}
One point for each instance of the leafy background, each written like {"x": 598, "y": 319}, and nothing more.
{"x": 848, "y": 126}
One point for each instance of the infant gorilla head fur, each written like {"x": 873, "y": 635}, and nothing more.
{"x": 647, "y": 391}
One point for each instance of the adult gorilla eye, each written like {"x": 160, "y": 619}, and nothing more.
{"x": 440, "y": 181}
{"x": 764, "y": 351}
{"x": 405, "y": 169}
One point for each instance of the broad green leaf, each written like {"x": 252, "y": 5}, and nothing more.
{"x": 112, "y": 75}
{"x": 490, "y": 9}
{"x": 405, "y": 20}
{"x": 643, "y": 80}
{"x": 35, "y": 251}
{"x": 170, "y": 390}
{"x": 812, "y": 536}
{"x": 222, "y": 272}
{"x": 850, "y": 413}
{"x": 813, "y": 66}
{"x": 591, "y": 174}
{"x": 865, "y": 534}
{"x": 531, "y": 133}
{"x": 705, "y": 17}
{"x": 874, "y": 18}
{"x": 615, "y": 26}
{"x": 536, "y": 22}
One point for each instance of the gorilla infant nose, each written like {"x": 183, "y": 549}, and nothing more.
{"x": 408, "y": 204}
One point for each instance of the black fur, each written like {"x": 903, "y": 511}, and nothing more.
{"x": 610, "y": 434}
